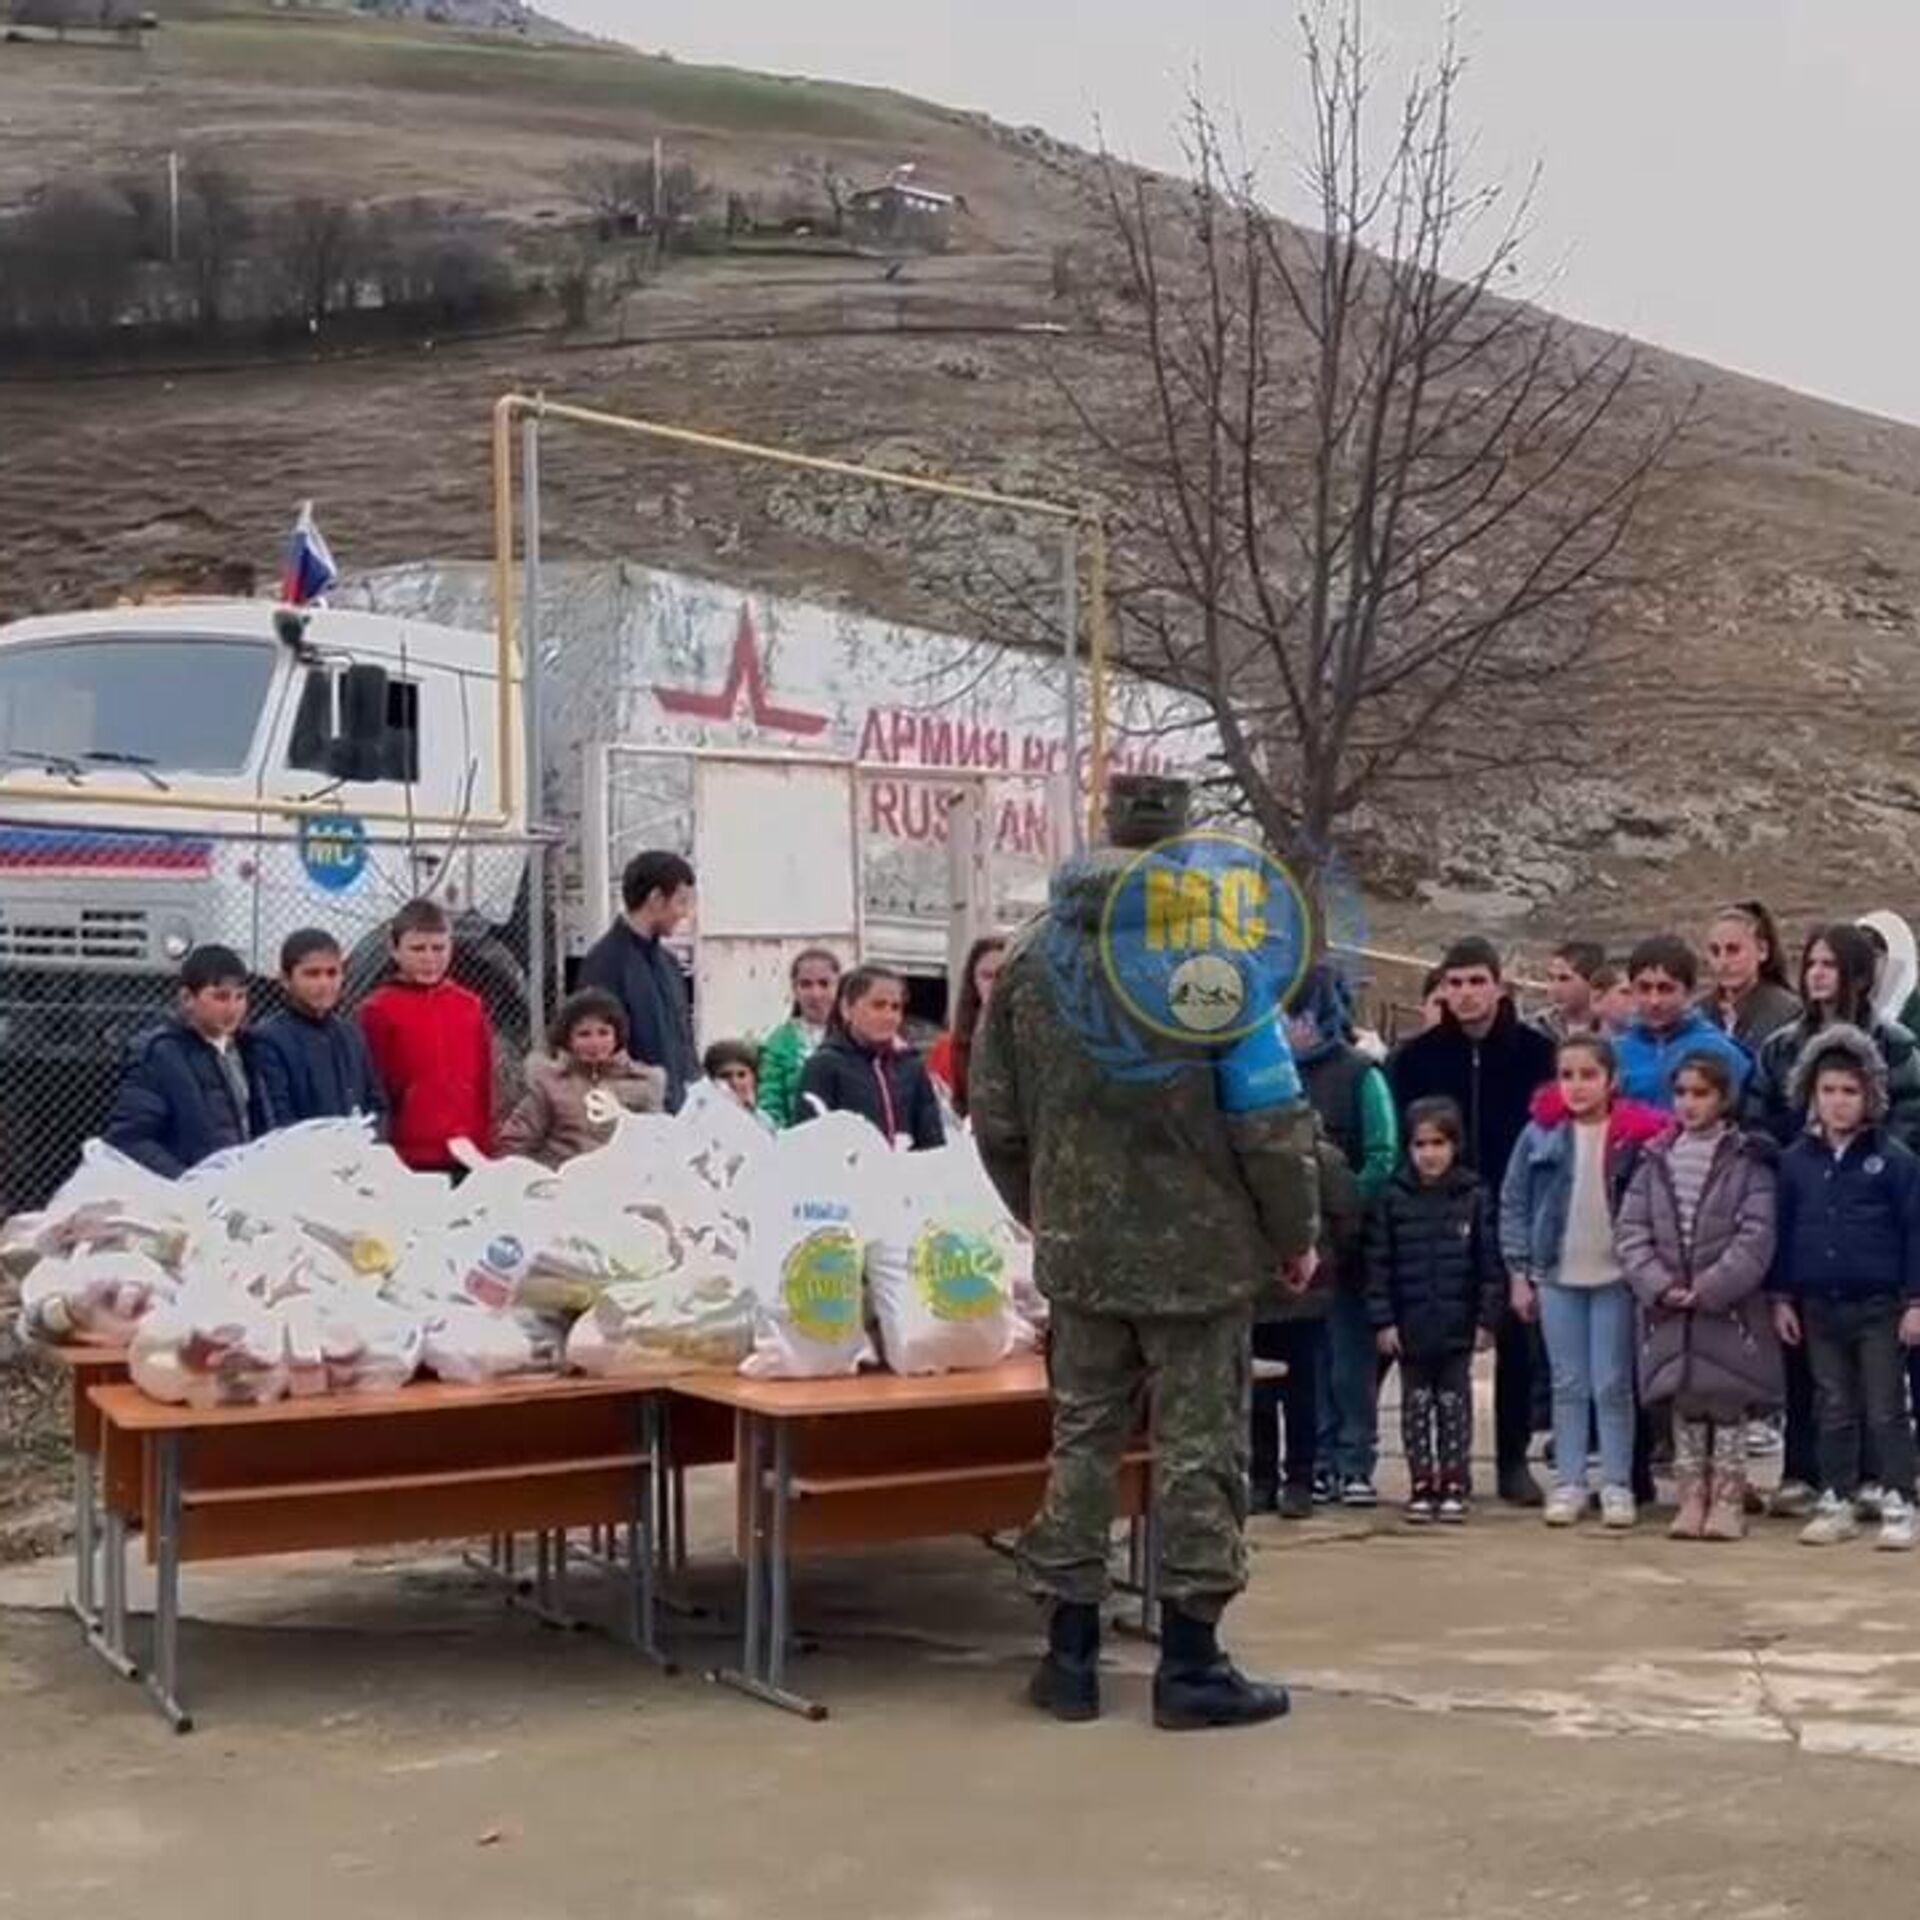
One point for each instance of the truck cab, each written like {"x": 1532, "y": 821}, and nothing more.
{"x": 221, "y": 771}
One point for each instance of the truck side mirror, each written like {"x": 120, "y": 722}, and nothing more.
{"x": 362, "y": 739}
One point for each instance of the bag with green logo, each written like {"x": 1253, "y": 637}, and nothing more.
{"x": 810, "y": 1199}
{"x": 940, "y": 1265}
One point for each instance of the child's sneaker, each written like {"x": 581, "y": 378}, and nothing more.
{"x": 1421, "y": 1508}
{"x": 1793, "y": 1500}
{"x": 1453, "y": 1510}
{"x": 1618, "y": 1509}
{"x": 1896, "y": 1524}
{"x": 1868, "y": 1502}
{"x": 1356, "y": 1492}
{"x": 1564, "y": 1506}
{"x": 1833, "y": 1521}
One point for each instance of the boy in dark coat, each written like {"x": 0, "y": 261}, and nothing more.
{"x": 1435, "y": 1291}
{"x": 1847, "y": 1279}
{"x": 188, "y": 1093}
{"x": 1490, "y": 1064}
{"x": 309, "y": 1063}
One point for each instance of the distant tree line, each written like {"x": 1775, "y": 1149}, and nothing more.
{"x": 93, "y": 262}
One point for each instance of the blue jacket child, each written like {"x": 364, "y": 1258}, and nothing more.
{"x": 1849, "y": 1223}
{"x": 308, "y": 1062}
{"x": 188, "y": 1090}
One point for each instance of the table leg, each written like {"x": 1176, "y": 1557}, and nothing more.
{"x": 108, "y": 1636}
{"x": 163, "y": 1680}
{"x": 645, "y": 1617}
{"x": 86, "y": 1543}
{"x": 763, "y": 1653}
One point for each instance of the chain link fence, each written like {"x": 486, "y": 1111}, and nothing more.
{"x": 94, "y": 923}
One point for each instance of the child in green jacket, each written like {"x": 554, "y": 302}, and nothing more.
{"x": 815, "y": 976}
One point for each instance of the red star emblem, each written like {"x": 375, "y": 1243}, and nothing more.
{"x": 745, "y": 695}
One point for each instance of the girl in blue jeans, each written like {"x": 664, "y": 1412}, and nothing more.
{"x": 1563, "y": 1187}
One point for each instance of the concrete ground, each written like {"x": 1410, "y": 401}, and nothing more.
{"x": 1501, "y": 1721}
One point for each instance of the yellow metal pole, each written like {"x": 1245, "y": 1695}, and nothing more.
{"x": 1097, "y": 647}
{"x": 504, "y": 410}
{"x": 782, "y": 457}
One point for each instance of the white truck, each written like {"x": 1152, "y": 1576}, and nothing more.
{"x": 172, "y": 774}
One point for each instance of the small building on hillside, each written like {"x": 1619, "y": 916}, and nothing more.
{"x": 904, "y": 213}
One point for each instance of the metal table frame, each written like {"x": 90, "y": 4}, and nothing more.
{"x": 161, "y": 1676}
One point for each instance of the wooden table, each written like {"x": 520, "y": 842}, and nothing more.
{"x": 87, "y": 1367}
{"x": 428, "y": 1462}
{"x": 854, "y": 1462}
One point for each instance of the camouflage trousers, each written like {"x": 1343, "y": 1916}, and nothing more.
{"x": 1105, "y": 1371}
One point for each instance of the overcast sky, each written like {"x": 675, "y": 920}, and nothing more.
{"x": 1731, "y": 178}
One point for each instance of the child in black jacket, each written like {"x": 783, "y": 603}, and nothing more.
{"x": 1435, "y": 1288}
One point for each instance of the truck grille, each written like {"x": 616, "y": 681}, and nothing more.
{"x": 100, "y": 934}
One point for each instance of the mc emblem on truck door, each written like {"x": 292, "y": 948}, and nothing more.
{"x": 745, "y": 696}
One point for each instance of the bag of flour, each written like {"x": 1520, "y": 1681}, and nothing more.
{"x": 810, "y": 1199}
{"x": 938, "y": 1264}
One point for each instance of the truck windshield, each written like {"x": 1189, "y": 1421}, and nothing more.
{"x": 185, "y": 705}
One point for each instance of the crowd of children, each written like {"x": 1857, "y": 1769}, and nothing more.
{"x": 418, "y": 1058}
{"x": 1675, "y": 1215}
{"x": 1701, "y": 1209}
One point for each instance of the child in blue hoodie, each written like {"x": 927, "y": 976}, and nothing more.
{"x": 1668, "y": 1026}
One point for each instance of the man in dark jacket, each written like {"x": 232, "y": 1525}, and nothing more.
{"x": 1490, "y": 1064}
{"x": 308, "y": 1063}
{"x": 631, "y": 962}
{"x": 1167, "y": 1178}
{"x": 188, "y": 1093}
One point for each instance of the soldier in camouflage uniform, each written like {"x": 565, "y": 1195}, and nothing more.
{"x": 1161, "y": 1200}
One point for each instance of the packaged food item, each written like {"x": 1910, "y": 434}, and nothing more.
{"x": 468, "y": 1345}
{"x": 111, "y": 1204}
{"x": 94, "y": 1298}
{"x": 344, "y": 1340}
{"x": 810, "y": 1199}
{"x": 211, "y": 1349}
{"x": 665, "y": 1326}
{"x": 937, "y": 1264}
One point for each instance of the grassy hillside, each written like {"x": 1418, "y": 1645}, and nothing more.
{"x": 1760, "y": 742}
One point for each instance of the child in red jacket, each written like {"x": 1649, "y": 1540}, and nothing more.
{"x": 431, "y": 1044}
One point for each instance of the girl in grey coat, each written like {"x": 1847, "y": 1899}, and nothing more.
{"x": 1695, "y": 1240}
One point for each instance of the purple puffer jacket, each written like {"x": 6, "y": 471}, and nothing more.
{"x": 1724, "y": 1347}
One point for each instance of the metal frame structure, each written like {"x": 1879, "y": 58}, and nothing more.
{"x": 1081, "y": 529}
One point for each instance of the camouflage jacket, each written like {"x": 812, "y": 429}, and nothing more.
{"x": 1155, "y": 1184}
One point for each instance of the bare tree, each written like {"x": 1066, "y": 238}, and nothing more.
{"x": 824, "y": 177}
{"x": 214, "y": 227}
{"x": 317, "y": 247}
{"x": 616, "y": 188}
{"x": 1364, "y": 498}
{"x": 70, "y": 265}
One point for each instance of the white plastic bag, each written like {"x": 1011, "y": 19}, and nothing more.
{"x": 467, "y": 1345}
{"x": 664, "y": 1326}
{"x": 343, "y": 1340}
{"x": 211, "y": 1348}
{"x": 937, "y": 1264}
{"x": 809, "y": 1204}
{"x": 93, "y": 1298}
{"x": 112, "y": 1204}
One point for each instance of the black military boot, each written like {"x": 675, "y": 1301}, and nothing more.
{"x": 1066, "y": 1683}
{"x": 1196, "y": 1685}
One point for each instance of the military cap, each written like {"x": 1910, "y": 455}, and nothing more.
{"x": 1146, "y": 808}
